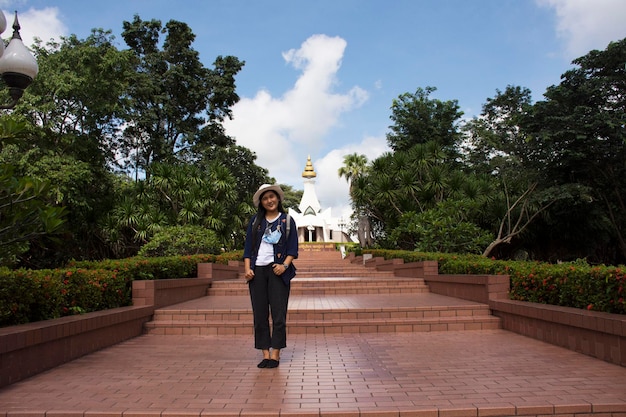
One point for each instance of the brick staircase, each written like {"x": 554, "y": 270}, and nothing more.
{"x": 329, "y": 295}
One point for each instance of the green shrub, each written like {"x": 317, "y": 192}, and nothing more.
{"x": 35, "y": 295}
{"x": 445, "y": 228}
{"x": 182, "y": 240}
{"x": 572, "y": 284}
{"x": 27, "y": 295}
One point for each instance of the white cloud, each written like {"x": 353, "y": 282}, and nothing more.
{"x": 284, "y": 130}
{"x": 585, "y": 25}
{"x": 44, "y": 24}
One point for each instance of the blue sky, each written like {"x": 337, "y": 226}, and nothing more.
{"x": 320, "y": 76}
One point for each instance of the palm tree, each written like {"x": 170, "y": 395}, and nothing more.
{"x": 354, "y": 165}
{"x": 355, "y": 168}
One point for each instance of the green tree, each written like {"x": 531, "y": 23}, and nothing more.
{"x": 77, "y": 100}
{"x": 496, "y": 145}
{"x": 172, "y": 95}
{"x": 178, "y": 195}
{"x": 419, "y": 119}
{"x": 405, "y": 184}
{"x": 84, "y": 107}
{"x": 75, "y": 108}
{"x": 496, "y": 141}
{"x": 449, "y": 227}
{"x": 355, "y": 170}
{"x": 577, "y": 140}
{"x": 292, "y": 196}
{"x": 26, "y": 212}
{"x": 212, "y": 145}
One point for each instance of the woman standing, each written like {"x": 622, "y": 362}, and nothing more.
{"x": 270, "y": 248}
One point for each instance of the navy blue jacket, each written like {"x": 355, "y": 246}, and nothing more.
{"x": 286, "y": 245}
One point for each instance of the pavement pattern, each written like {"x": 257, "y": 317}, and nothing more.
{"x": 431, "y": 374}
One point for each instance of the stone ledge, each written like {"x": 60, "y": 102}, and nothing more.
{"x": 596, "y": 334}
{"x": 164, "y": 292}
{"x": 28, "y": 349}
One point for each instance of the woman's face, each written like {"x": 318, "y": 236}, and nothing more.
{"x": 269, "y": 201}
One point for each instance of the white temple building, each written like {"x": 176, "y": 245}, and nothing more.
{"x": 315, "y": 224}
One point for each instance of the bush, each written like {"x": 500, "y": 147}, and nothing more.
{"x": 182, "y": 240}
{"x": 571, "y": 284}
{"x": 27, "y": 295}
{"x": 442, "y": 229}
{"x": 35, "y": 295}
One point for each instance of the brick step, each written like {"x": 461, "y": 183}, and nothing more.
{"x": 329, "y": 267}
{"x": 317, "y": 248}
{"x": 372, "y": 320}
{"x": 348, "y": 272}
{"x": 327, "y": 262}
{"x": 330, "y": 286}
{"x": 313, "y": 253}
{"x": 337, "y": 269}
{"x": 339, "y": 273}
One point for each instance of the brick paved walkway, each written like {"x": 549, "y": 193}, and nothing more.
{"x": 434, "y": 374}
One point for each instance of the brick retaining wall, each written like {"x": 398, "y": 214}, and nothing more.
{"x": 596, "y": 334}
{"x": 28, "y": 349}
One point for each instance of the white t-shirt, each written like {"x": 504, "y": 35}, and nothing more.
{"x": 266, "y": 250}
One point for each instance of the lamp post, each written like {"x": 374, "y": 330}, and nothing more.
{"x": 18, "y": 67}
{"x": 341, "y": 225}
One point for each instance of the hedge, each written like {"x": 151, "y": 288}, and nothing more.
{"x": 34, "y": 295}
{"x": 570, "y": 284}
{"x": 81, "y": 287}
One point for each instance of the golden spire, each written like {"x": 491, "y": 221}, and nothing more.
{"x": 309, "y": 172}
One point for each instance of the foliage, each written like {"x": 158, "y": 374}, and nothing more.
{"x": 24, "y": 214}
{"x": 292, "y": 197}
{"x": 548, "y": 178}
{"x": 571, "y": 284}
{"x": 78, "y": 100}
{"x": 74, "y": 109}
{"x": 181, "y": 240}
{"x": 168, "y": 267}
{"x": 496, "y": 142}
{"x": 419, "y": 119}
{"x": 240, "y": 162}
{"x": 445, "y": 228}
{"x": 85, "y": 286}
{"x": 399, "y": 188}
{"x": 94, "y": 106}
{"x": 577, "y": 138}
{"x": 179, "y": 195}
{"x": 172, "y": 95}
{"x": 29, "y": 295}
{"x": 354, "y": 170}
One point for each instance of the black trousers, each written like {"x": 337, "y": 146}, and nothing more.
{"x": 269, "y": 294}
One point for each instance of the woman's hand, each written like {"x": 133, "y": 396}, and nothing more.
{"x": 249, "y": 274}
{"x": 279, "y": 269}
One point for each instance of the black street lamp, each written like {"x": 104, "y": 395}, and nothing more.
{"x": 18, "y": 67}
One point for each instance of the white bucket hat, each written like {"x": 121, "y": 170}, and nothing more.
{"x": 267, "y": 187}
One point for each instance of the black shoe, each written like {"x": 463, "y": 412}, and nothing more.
{"x": 273, "y": 363}
{"x": 264, "y": 363}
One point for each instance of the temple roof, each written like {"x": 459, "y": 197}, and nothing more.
{"x": 309, "y": 172}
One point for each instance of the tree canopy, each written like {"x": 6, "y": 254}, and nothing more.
{"x": 101, "y": 121}
{"x": 545, "y": 179}
{"x": 112, "y": 146}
